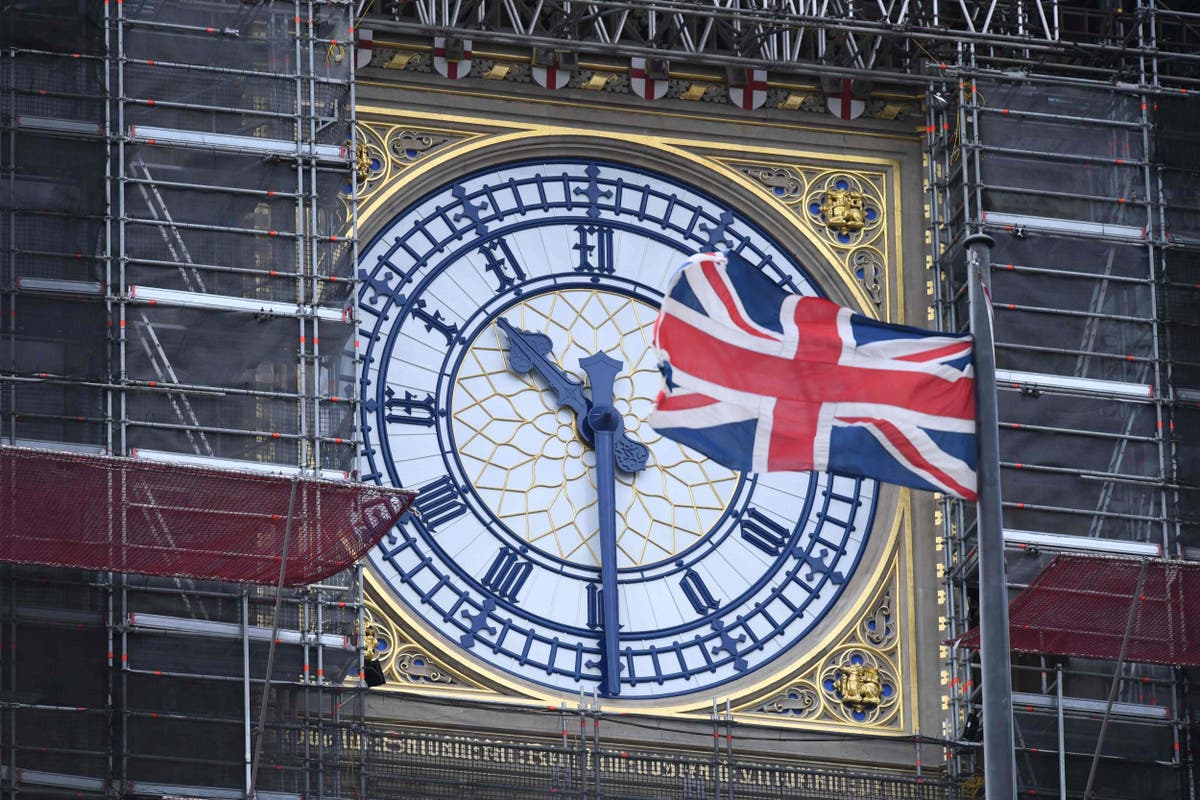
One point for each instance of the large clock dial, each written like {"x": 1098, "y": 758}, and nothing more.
{"x": 490, "y": 309}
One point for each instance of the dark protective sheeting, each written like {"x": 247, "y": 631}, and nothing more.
{"x": 1079, "y": 606}
{"x": 105, "y": 513}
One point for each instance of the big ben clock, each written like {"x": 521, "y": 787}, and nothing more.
{"x": 502, "y": 313}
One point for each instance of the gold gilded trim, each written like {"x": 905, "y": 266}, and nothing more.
{"x": 516, "y": 138}
{"x": 877, "y": 635}
{"x": 886, "y": 573}
{"x": 631, "y": 109}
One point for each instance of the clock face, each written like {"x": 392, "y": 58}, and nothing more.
{"x": 718, "y": 573}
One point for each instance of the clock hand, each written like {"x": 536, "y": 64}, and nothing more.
{"x": 607, "y": 426}
{"x": 530, "y": 351}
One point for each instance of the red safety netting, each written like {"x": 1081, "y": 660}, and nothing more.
{"x": 104, "y": 513}
{"x": 1079, "y": 606}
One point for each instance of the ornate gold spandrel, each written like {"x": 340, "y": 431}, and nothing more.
{"x": 384, "y": 151}
{"x": 858, "y": 681}
{"x": 847, "y": 209}
{"x": 405, "y": 662}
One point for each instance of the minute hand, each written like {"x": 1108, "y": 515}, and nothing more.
{"x": 529, "y": 351}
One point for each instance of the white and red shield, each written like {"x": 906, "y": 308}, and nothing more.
{"x": 844, "y": 104}
{"x": 552, "y": 77}
{"x": 642, "y": 84}
{"x": 364, "y": 46}
{"x": 454, "y": 66}
{"x": 753, "y": 93}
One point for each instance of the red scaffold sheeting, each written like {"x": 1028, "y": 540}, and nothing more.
{"x": 105, "y": 513}
{"x": 1079, "y": 606}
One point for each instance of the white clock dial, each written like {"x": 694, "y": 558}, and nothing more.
{"x": 717, "y": 573}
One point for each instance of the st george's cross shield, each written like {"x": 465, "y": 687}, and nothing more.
{"x": 364, "y": 44}
{"x": 452, "y": 57}
{"x": 551, "y": 76}
{"x": 843, "y": 103}
{"x": 642, "y": 84}
{"x": 750, "y": 91}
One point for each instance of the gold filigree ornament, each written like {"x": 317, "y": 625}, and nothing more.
{"x": 784, "y": 182}
{"x": 370, "y": 641}
{"x": 878, "y": 629}
{"x": 848, "y": 208}
{"x": 362, "y": 162}
{"x": 370, "y": 163}
{"x": 799, "y": 701}
{"x": 868, "y": 266}
{"x": 406, "y": 146}
{"x": 378, "y": 636}
{"x": 413, "y": 665}
{"x": 860, "y": 686}
{"x": 844, "y": 210}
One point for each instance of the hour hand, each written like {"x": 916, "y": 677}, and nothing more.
{"x": 630, "y": 456}
{"x": 529, "y": 351}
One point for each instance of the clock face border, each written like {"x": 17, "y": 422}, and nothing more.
{"x": 886, "y": 549}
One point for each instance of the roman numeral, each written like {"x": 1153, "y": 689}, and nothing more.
{"x": 439, "y": 502}
{"x": 434, "y": 320}
{"x": 408, "y": 410}
{"x": 503, "y": 264}
{"x": 507, "y": 574}
{"x": 697, "y": 593}
{"x": 763, "y": 532}
{"x": 595, "y": 610}
{"x": 595, "y": 249}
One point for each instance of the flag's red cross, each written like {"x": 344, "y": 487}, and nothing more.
{"x": 812, "y": 378}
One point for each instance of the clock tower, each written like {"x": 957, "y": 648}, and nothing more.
{"x": 511, "y": 268}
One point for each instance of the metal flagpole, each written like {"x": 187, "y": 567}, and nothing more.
{"x": 998, "y": 751}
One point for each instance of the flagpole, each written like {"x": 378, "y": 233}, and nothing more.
{"x": 998, "y": 745}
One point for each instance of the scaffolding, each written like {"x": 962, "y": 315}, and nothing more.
{"x": 177, "y": 280}
{"x": 1058, "y": 127}
{"x": 892, "y": 42}
{"x": 1083, "y": 186}
{"x": 176, "y": 284}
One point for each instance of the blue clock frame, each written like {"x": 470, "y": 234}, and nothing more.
{"x": 528, "y": 239}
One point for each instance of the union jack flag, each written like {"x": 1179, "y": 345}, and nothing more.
{"x": 759, "y": 380}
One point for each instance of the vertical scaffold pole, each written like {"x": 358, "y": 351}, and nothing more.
{"x": 262, "y": 708}
{"x": 998, "y": 761}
